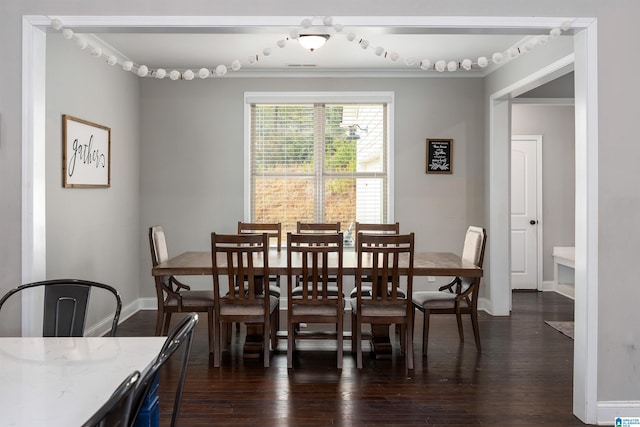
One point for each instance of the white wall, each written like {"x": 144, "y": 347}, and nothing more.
{"x": 556, "y": 125}
{"x": 193, "y": 147}
{"x": 92, "y": 233}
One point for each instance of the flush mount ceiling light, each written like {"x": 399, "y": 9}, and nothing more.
{"x": 313, "y": 41}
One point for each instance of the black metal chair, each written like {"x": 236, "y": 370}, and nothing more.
{"x": 182, "y": 334}
{"x": 116, "y": 412}
{"x": 65, "y": 305}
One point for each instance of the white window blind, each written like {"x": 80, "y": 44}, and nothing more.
{"x": 318, "y": 163}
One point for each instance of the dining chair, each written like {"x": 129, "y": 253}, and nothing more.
{"x": 243, "y": 260}
{"x": 172, "y": 295}
{"x": 117, "y": 411}
{"x": 310, "y": 300}
{"x": 317, "y": 228}
{"x": 458, "y": 297}
{"x": 180, "y": 336}
{"x": 274, "y": 231}
{"x": 379, "y": 258}
{"x": 367, "y": 228}
{"x": 66, "y": 303}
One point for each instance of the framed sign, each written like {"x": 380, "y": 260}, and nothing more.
{"x": 439, "y": 155}
{"x": 86, "y": 154}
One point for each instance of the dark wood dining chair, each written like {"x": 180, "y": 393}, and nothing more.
{"x": 172, "y": 295}
{"x": 66, "y": 303}
{"x": 274, "y": 231}
{"x": 117, "y": 411}
{"x": 366, "y": 228}
{"x": 309, "y": 299}
{"x": 317, "y": 228}
{"x": 379, "y": 258}
{"x": 180, "y": 337}
{"x": 458, "y": 297}
{"x": 243, "y": 260}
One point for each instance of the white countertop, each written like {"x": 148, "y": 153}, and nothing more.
{"x": 63, "y": 381}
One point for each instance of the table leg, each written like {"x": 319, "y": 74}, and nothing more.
{"x": 253, "y": 341}
{"x": 381, "y": 341}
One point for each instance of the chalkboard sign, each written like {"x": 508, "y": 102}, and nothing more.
{"x": 439, "y": 155}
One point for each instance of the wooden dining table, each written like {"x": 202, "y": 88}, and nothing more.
{"x": 199, "y": 263}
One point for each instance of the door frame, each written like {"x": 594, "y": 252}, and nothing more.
{"x": 539, "y": 218}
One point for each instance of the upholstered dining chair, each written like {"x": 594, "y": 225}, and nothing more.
{"x": 172, "y": 295}
{"x": 385, "y": 260}
{"x": 66, "y": 302}
{"x": 243, "y": 260}
{"x": 310, "y": 300}
{"x": 458, "y": 297}
{"x": 180, "y": 337}
{"x": 117, "y": 411}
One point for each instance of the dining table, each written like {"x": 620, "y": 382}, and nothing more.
{"x": 64, "y": 381}
{"x": 199, "y": 263}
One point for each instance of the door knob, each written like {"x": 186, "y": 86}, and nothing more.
{"x": 533, "y": 222}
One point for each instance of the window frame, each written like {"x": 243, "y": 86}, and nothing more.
{"x": 319, "y": 98}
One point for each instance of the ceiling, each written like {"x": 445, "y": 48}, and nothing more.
{"x": 210, "y": 47}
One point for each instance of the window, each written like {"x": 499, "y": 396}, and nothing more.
{"x": 316, "y": 160}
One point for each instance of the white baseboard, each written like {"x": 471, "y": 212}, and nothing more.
{"x": 608, "y": 411}
{"x": 566, "y": 290}
{"x": 103, "y": 326}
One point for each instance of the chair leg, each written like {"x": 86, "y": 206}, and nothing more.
{"x": 340, "y": 332}
{"x": 459, "y": 320}
{"x": 266, "y": 328}
{"x": 217, "y": 343}
{"x": 358, "y": 342}
{"x": 409, "y": 340}
{"x": 476, "y": 329}
{"x": 210, "y": 328}
{"x": 403, "y": 340}
{"x": 275, "y": 327}
{"x": 290, "y": 341}
{"x": 425, "y": 332}
{"x": 167, "y": 322}
{"x": 353, "y": 332}
{"x": 159, "y": 319}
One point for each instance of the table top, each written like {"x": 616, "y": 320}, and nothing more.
{"x": 424, "y": 264}
{"x": 64, "y": 381}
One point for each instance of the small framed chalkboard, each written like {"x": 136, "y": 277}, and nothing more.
{"x": 439, "y": 155}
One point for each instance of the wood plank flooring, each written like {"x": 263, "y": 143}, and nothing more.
{"x": 523, "y": 377}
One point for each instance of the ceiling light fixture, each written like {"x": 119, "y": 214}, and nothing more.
{"x": 313, "y": 41}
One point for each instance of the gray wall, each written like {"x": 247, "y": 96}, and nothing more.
{"x": 556, "y": 125}
{"x": 192, "y": 162}
{"x": 92, "y": 232}
{"x": 618, "y": 358}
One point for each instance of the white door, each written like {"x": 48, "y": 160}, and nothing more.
{"x": 525, "y": 212}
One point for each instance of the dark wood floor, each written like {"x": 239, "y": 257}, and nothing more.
{"x": 523, "y": 377}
